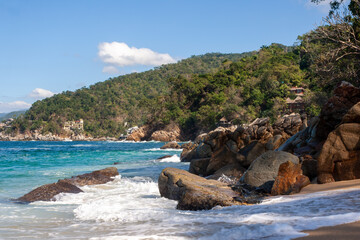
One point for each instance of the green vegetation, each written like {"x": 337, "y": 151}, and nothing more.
{"x": 107, "y": 106}
{"x": 196, "y": 92}
{"x": 255, "y": 86}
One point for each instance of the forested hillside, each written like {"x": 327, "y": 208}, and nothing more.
{"x": 255, "y": 86}
{"x": 107, "y": 106}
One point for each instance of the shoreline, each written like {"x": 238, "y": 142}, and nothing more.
{"x": 349, "y": 231}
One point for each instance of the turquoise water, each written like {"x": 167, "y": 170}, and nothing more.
{"x": 130, "y": 207}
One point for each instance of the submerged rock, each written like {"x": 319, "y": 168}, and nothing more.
{"x": 96, "y": 177}
{"x": 263, "y": 171}
{"x": 47, "y": 192}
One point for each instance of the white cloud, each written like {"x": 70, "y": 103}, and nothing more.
{"x": 6, "y": 107}
{"x": 120, "y": 54}
{"x": 110, "y": 69}
{"x": 39, "y": 93}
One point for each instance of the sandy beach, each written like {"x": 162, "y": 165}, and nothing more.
{"x": 350, "y": 231}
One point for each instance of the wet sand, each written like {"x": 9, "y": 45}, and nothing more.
{"x": 350, "y": 231}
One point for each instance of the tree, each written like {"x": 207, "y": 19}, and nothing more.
{"x": 334, "y": 47}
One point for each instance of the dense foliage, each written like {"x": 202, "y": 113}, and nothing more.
{"x": 255, "y": 86}
{"x": 107, "y": 106}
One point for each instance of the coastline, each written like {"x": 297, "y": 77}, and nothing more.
{"x": 348, "y": 231}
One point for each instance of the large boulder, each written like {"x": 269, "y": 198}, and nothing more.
{"x": 193, "y": 192}
{"x": 70, "y": 185}
{"x": 263, "y": 171}
{"x": 339, "y": 158}
{"x": 290, "y": 179}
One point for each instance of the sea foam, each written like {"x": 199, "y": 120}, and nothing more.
{"x": 136, "y": 201}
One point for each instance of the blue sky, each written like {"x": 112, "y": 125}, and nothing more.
{"x": 51, "y": 46}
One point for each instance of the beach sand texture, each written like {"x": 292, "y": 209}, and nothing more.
{"x": 350, "y": 231}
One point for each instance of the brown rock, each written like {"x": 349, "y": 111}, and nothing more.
{"x": 137, "y": 135}
{"x": 289, "y": 180}
{"x": 339, "y": 158}
{"x": 199, "y": 166}
{"x": 251, "y": 152}
{"x": 275, "y": 142}
{"x": 48, "y": 191}
{"x": 172, "y": 145}
{"x": 169, "y": 133}
{"x": 221, "y": 158}
{"x": 263, "y": 171}
{"x": 189, "y": 152}
{"x": 194, "y": 192}
{"x": 96, "y": 177}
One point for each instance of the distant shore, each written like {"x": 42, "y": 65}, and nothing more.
{"x": 349, "y": 231}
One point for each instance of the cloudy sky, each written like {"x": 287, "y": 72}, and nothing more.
{"x": 52, "y": 46}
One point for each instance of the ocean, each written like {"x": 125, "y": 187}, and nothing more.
{"x": 130, "y": 207}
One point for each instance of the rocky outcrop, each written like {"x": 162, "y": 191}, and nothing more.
{"x": 138, "y": 134}
{"x": 171, "y": 145}
{"x": 70, "y": 185}
{"x": 171, "y": 132}
{"x": 193, "y": 192}
{"x": 263, "y": 171}
{"x": 339, "y": 158}
{"x": 289, "y": 180}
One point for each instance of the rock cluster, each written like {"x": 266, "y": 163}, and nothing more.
{"x": 263, "y": 171}
{"x": 240, "y": 146}
{"x": 260, "y": 158}
{"x": 168, "y": 133}
{"x": 69, "y": 185}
